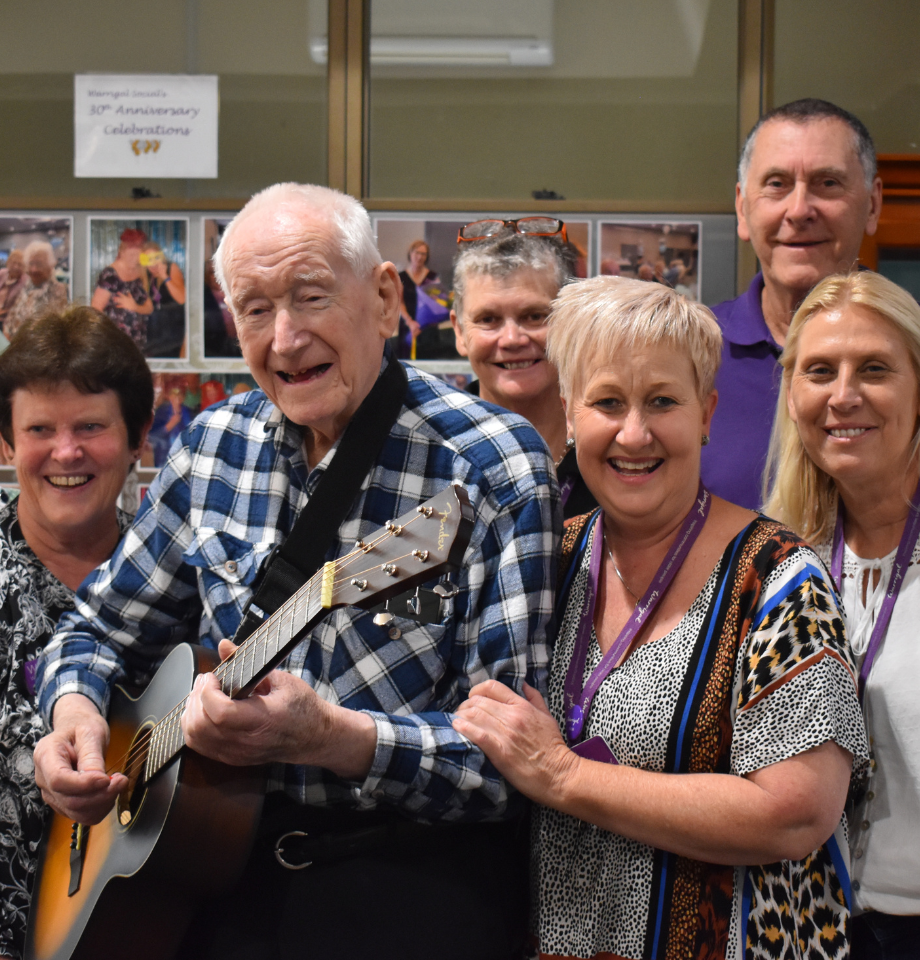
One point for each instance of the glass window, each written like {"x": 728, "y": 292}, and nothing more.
{"x": 272, "y": 93}
{"x": 822, "y": 50}
{"x": 584, "y": 99}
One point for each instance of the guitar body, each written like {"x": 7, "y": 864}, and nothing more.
{"x": 127, "y": 888}
{"x": 181, "y": 838}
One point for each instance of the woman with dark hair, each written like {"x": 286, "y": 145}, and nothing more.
{"x": 121, "y": 291}
{"x": 75, "y": 406}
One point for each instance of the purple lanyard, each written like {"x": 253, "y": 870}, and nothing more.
{"x": 565, "y": 490}
{"x": 901, "y": 563}
{"x": 578, "y": 700}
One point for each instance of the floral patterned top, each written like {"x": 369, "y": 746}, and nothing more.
{"x": 757, "y": 671}
{"x": 34, "y": 302}
{"x": 134, "y": 324}
{"x": 31, "y": 601}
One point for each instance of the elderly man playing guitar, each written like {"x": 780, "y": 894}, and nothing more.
{"x": 406, "y": 834}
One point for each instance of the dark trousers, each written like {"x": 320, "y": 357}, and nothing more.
{"x": 884, "y": 936}
{"x": 452, "y": 891}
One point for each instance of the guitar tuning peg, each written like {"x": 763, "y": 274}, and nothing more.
{"x": 445, "y": 589}
{"x": 384, "y": 618}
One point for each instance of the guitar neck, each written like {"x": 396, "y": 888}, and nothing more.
{"x": 251, "y": 661}
{"x": 423, "y": 543}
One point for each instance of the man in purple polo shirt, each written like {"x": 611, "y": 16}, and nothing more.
{"x": 807, "y": 192}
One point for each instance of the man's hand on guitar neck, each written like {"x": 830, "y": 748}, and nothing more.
{"x": 70, "y": 762}
{"x": 284, "y": 721}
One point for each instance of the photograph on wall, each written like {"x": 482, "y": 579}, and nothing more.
{"x": 666, "y": 253}
{"x": 35, "y": 268}
{"x": 178, "y": 398}
{"x": 219, "y": 330}
{"x": 423, "y": 252}
{"x": 138, "y": 271}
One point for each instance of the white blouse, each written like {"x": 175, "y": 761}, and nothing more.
{"x": 885, "y": 828}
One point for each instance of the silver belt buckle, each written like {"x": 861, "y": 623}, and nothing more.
{"x": 279, "y": 851}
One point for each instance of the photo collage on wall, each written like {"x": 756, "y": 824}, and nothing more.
{"x": 35, "y": 268}
{"x": 666, "y": 253}
{"x": 153, "y": 275}
{"x": 428, "y": 287}
{"x": 137, "y": 275}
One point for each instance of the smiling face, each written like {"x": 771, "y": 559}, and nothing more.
{"x": 39, "y": 269}
{"x": 311, "y": 331}
{"x": 71, "y": 456}
{"x": 854, "y": 397}
{"x": 805, "y": 205}
{"x": 418, "y": 257}
{"x": 504, "y": 335}
{"x": 638, "y": 425}
{"x": 15, "y": 265}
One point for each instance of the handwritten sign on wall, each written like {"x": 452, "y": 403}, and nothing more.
{"x": 145, "y": 125}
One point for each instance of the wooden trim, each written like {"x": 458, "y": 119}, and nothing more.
{"x": 357, "y": 105}
{"x": 756, "y": 36}
{"x": 546, "y": 206}
{"x": 899, "y": 223}
{"x": 232, "y": 204}
{"x": 337, "y": 92}
{"x": 202, "y": 204}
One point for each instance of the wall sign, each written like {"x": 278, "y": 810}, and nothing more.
{"x": 145, "y": 125}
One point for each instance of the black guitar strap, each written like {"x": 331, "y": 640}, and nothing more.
{"x": 304, "y": 549}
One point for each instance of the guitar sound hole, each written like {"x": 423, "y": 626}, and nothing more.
{"x": 130, "y": 800}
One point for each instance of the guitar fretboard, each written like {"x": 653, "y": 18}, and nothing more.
{"x": 251, "y": 660}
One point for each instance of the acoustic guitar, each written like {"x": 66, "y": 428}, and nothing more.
{"x": 183, "y": 829}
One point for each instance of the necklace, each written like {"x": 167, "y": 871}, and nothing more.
{"x": 616, "y": 569}
{"x": 569, "y": 443}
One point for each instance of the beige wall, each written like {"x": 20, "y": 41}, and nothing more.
{"x": 628, "y": 111}
{"x": 861, "y": 54}
{"x": 272, "y": 96}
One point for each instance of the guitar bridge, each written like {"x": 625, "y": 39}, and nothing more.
{"x": 79, "y": 835}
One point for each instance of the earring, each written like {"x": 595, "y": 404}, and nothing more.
{"x": 705, "y": 440}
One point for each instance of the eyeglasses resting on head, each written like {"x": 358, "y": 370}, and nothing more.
{"x": 527, "y": 226}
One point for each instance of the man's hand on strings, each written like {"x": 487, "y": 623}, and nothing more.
{"x": 283, "y": 721}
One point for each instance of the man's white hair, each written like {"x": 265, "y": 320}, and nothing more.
{"x": 356, "y": 236}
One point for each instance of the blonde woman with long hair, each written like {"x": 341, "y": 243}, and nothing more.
{"x": 846, "y": 476}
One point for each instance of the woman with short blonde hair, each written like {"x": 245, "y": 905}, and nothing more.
{"x": 691, "y": 760}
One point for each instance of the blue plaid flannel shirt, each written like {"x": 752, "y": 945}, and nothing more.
{"x": 231, "y": 490}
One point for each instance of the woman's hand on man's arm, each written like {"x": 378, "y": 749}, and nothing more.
{"x": 783, "y": 811}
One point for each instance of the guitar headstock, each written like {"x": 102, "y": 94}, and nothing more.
{"x": 407, "y": 552}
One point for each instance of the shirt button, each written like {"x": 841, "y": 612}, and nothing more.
{"x": 856, "y": 885}
{"x": 858, "y": 854}
{"x": 394, "y": 633}
{"x": 231, "y": 567}
{"x": 870, "y": 795}
{"x": 865, "y": 825}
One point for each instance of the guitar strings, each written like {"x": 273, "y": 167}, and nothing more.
{"x": 138, "y": 753}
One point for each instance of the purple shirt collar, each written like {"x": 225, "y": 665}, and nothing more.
{"x": 744, "y": 324}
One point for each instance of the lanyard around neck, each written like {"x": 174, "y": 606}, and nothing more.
{"x": 577, "y": 698}
{"x": 901, "y": 562}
